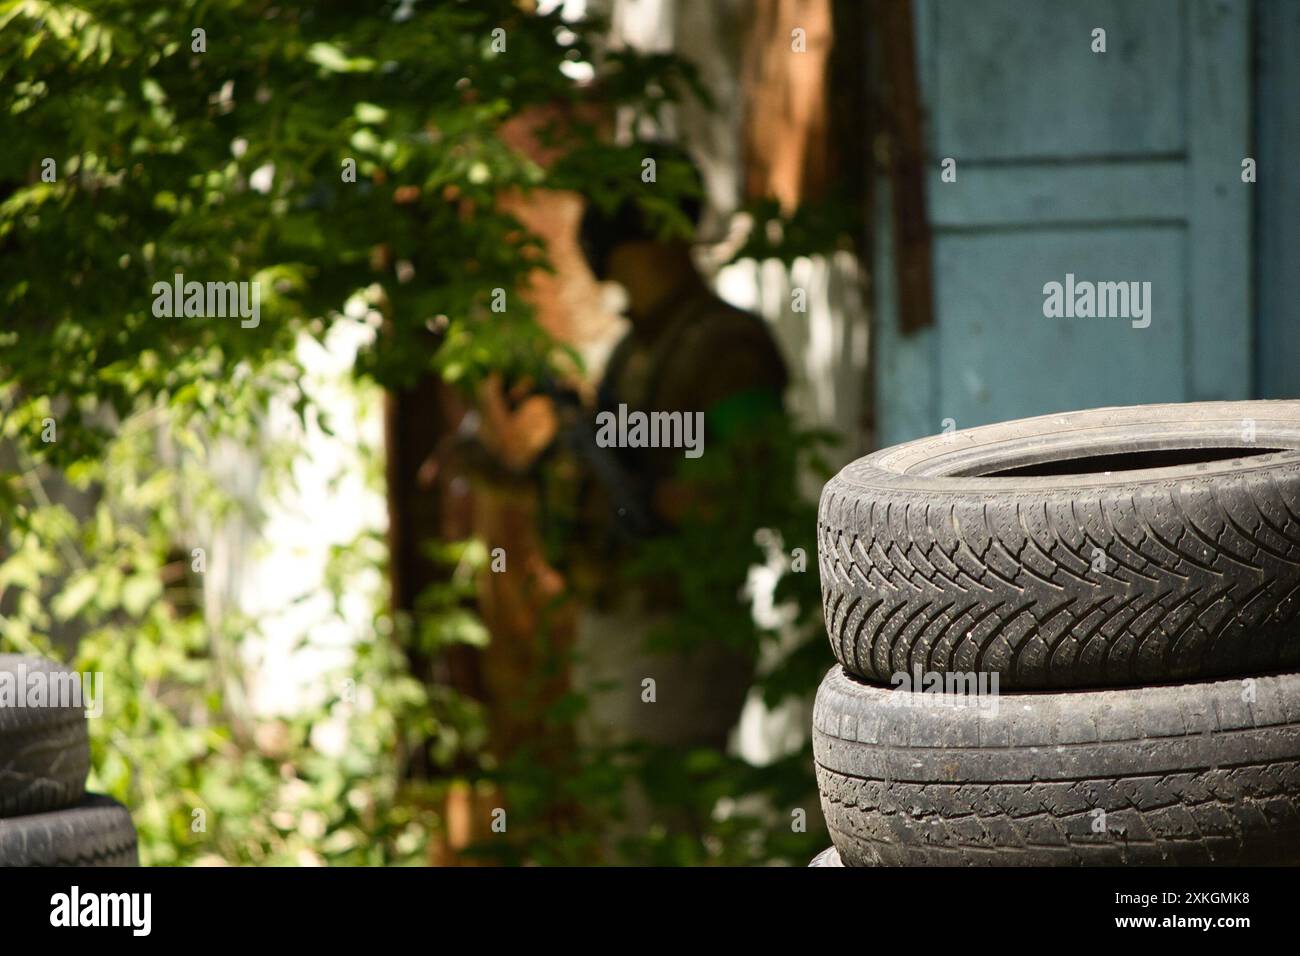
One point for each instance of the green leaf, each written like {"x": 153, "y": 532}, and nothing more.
{"x": 81, "y": 588}
{"x": 139, "y": 592}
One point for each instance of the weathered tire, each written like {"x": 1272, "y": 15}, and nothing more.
{"x": 1185, "y": 774}
{"x": 44, "y": 751}
{"x": 97, "y": 832}
{"x": 977, "y": 552}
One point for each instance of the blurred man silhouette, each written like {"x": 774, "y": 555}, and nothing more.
{"x": 686, "y": 351}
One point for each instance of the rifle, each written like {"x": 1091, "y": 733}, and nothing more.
{"x": 628, "y": 493}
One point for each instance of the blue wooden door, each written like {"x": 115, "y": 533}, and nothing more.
{"x": 1075, "y": 166}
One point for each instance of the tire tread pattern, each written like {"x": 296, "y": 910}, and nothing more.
{"x": 1185, "y": 775}
{"x": 1112, "y": 586}
{"x": 98, "y": 832}
{"x": 44, "y": 750}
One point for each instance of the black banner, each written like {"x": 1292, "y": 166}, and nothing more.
{"x": 559, "y": 906}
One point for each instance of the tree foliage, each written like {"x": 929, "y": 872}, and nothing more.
{"x": 224, "y": 155}
{"x": 217, "y": 140}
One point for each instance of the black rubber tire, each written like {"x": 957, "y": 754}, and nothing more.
{"x": 44, "y": 751}
{"x": 97, "y": 832}
{"x": 1104, "y": 578}
{"x": 1186, "y": 774}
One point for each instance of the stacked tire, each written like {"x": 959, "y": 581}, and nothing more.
{"x": 1112, "y": 598}
{"x": 46, "y": 816}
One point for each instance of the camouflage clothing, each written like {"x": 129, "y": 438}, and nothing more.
{"x": 698, "y": 354}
